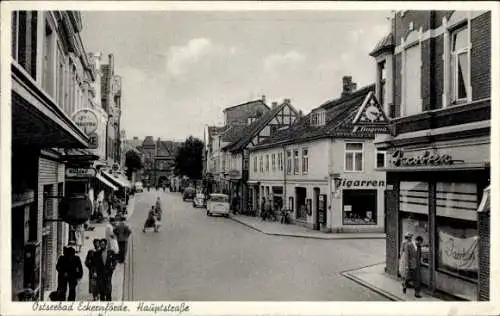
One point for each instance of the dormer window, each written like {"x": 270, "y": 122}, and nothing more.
{"x": 318, "y": 118}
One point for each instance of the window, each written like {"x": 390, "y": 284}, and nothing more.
{"x": 281, "y": 161}
{"x": 267, "y": 163}
{"x": 48, "y": 60}
{"x": 459, "y": 64}
{"x": 457, "y": 235}
{"x": 261, "y": 163}
{"x": 381, "y": 72}
{"x": 254, "y": 164}
{"x": 288, "y": 162}
{"x": 380, "y": 159}
{"x": 353, "y": 157}
{"x": 318, "y": 118}
{"x": 305, "y": 160}
{"x": 273, "y": 160}
{"x": 24, "y": 40}
{"x": 412, "y": 103}
{"x": 60, "y": 79}
{"x": 360, "y": 207}
{"x": 295, "y": 161}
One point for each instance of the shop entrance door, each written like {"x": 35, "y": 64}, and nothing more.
{"x": 316, "y": 224}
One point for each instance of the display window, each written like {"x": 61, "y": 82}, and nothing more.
{"x": 458, "y": 240}
{"x": 359, "y": 207}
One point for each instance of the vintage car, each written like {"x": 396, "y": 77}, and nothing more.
{"x": 199, "y": 200}
{"x": 188, "y": 194}
{"x": 218, "y": 204}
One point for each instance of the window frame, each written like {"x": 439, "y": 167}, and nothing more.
{"x": 289, "y": 161}
{"x": 255, "y": 164}
{"x": 453, "y": 63}
{"x": 261, "y": 163}
{"x": 346, "y": 151}
{"x": 296, "y": 161}
{"x": 305, "y": 160}
{"x": 267, "y": 162}
{"x": 381, "y": 152}
{"x": 412, "y": 44}
{"x": 273, "y": 161}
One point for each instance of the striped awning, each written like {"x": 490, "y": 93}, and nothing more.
{"x": 119, "y": 179}
{"x": 106, "y": 182}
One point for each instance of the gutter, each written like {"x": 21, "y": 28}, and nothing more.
{"x": 285, "y": 200}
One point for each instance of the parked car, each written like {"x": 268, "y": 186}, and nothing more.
{"x": 138, "y": 187}
{"x": 218, "y": 204}
{"x": 188, "y": 194}
{"x": 199, "y": 200}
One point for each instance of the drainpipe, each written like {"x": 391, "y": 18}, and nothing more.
{"x": 283, "y": 163}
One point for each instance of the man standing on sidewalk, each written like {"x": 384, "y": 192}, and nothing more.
{"x": 104, "y": 269}
{"x": 122, "y": 232}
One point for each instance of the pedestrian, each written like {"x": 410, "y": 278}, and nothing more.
{"x": 104, "y": 270}
{"x": 417, "y": 273}
{"x": 150, "y": 220}
{"x": 69, "y": 271}
{"x": 122, "y": 232}
{"x": 91, "y": 264}
{"x": 407, "y": 261}
{"x": 79, "y": 237}
{"x": 158, "y": 212}
{"x": 112, "y": 242}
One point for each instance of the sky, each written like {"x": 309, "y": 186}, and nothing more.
{"x": 180, "y": 69}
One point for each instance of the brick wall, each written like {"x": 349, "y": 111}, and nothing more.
{"x": 392, "y": 234}
{"x": 484, "y": 256}
{"x": 426, "y": 78}
{"x": 481, "y": 56}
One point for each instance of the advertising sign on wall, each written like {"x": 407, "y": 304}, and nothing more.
{"x": 86, "y": 120}
{"x": 459, "y": 253}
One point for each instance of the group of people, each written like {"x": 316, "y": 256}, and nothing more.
{"x": 100, "y": 262}
{"x": 154, "y": 217}
{"x": 409, "y": 263}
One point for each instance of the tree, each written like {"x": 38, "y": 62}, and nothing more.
{"x": 189, "y": 158}
{"x": 133, "y": 162}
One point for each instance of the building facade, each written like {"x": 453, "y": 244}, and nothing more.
{"x": 323, "y": 169}
{"x": 159, "y": 161}
{"x": 438, "y": 153}
{"x": 50, "y": 75}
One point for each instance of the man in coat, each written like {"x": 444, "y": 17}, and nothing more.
{"x": 104, "y": 269}
{"x": 70, "y": 270}
{"x": 122, "y": 232}
{"x": 417, "y": 274}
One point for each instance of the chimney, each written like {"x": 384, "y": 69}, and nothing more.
{"x": 274, "y": 105}
{"x": 348, "y": 86}
{"x": 287, "y": 101}
{"x": 111, "y": 64}
{"x": 263, "y": 98}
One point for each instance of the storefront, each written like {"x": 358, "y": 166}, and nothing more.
{"x": 434, "y": 191}
{"x": 358, "y": 202}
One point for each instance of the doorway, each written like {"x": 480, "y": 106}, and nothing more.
{"x": 316, "y": 224}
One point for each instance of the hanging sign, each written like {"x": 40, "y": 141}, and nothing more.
{"x": 86, "y": 120}
{"x": 399, "y": 159}
{"x": 459, "y": 253}
{"x": 93, "y": 141}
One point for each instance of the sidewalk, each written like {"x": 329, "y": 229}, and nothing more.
{"x": 291, "y": 230}
{"x": 82, "y": 290}
{"x": 375, "y": 278}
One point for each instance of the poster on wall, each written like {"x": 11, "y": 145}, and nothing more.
{"x": 347, "y": 208}
{"x": 458, "y": 254}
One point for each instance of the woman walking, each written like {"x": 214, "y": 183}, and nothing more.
{"x": 91, "y": 264}
{"x": 406, "y": 254}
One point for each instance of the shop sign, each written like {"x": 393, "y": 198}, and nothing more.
{"x": 399, "y": 159}
{"x": 93, "y": 141}
{"x": 459, "y": 253}
{"x": 80, "y": 172}
{"x": 86, "y": 120}
{"x": 347, "y": 183}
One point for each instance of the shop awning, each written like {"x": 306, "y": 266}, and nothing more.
{"x": 106, "y": 182}
{"x": 485, "y": 201}
{"x": 119, "y": 179}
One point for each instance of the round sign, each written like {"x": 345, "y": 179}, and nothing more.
{"x": 86, "y": 120}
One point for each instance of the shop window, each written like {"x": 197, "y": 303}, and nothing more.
{"x": 359, "y": 207}
{"x": 414, "y": 197}
{"x": 459, "y": 66}
{"x": 353, "y": 157}
{"x": 300, "y": 198}
{"x": 457, "y": 249}
{"x": 380, "y": 159}
{"x": 305, "y": 160}
{"x": 417, "y": 225}
{"x": 288, "y": 162}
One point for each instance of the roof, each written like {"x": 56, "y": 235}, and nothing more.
{"x": 254, "y": 128}
{"x": 233, "y": 133}
{"x": 148, "y": 141}
{"x": 340, "y": 114}
{"x": 246, "y": 104}
{"x": 167, "y": 148}
{"x": 385, "y": 43}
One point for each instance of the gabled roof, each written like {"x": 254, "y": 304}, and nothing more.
{"x": 385, "y": 43}
{"x": 232, "y": 133}
{"x": 246, "y": 104}
{"x": 148, "y": 141}
{"x": 168, "y": 148}
{"x": 340, "y": 114}
{"x": 255, "y": 127}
